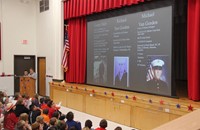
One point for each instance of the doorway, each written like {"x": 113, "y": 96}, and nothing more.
{"x": 42, "y": 76}
{"x": 21, "y": 63}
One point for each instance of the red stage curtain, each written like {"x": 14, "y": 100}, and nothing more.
{"x": 193, "y": 49}
{"x": 77, "y": 8}
{"x": 77, "y": 31}
{"x": 77, "y": 56}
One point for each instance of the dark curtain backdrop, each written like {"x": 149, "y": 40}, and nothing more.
{"x": 180, "y": 43}
{"x": 77, "y": 55}
{"x": 193, "y": 49}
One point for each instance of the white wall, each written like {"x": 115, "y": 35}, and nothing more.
{"x": 6, "y": 84}
{"x": 18, "y": 23}
{"x": 0, "y": 34}
{"x": 21, "y": 20}
{"x": 50, "y": 37}
{"x": 48, "y": 79}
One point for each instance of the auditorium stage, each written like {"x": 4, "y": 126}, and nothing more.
{"x": 138, "y": 110}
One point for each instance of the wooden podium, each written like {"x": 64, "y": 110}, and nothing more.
{"x": 27, "y": 86}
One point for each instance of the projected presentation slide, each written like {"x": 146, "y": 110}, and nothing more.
{"x": 132, "y": 52}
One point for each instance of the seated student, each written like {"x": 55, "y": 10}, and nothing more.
{"x": 53, "y": 124}
{"x": 62, "y": 117}
{"x": 72, "y": 128}
{"x": 51, "y": 108}
{"x": 62, "y": 126}
{"x": 41, "y": 102}
{"x": 88, "y": 123}
{"x": 40, "y": 120}
{"x": 118, "y": 128}
{"x": 85, "y": 128}
{"x": 21, "y": 125}
{"x": 20, "y": 108}
{"x": 1, "y": 95}
{"x": 56, "y": 114}
{"x": 10, "y": 119}
{"x": 36, "y": 126}
{"x": 35, "y": 100}
{"x": 46, "y": 116}
{"x": 70, "y": 121}
{"x": 26, "y": 100}
{"x": 44, "y": 104}
{"x": 1, "y": 115}
{"x": 34, "y": 112}
{"x": 103, "y": 124}
{"x": 17, "y": 96}
{"x": 24, "y": 117}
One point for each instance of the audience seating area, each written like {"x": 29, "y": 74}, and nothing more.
{"x": 21, "y": 112}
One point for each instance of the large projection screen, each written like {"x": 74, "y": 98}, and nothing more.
{"x": 132, "y": 52}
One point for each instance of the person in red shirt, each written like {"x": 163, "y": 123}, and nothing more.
{"x": 43, "y": 103}
{"x": 51, "y": 108}
{"x": 10, "y": 119}
{"x": 103, "y": 124}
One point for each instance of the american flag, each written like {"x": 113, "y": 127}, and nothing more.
{"x": 65, "y": 51}
{"x": 150, "y": 73}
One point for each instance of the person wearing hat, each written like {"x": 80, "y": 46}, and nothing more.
{"x": 10, "y": 119}
{"x": 156, "y": 84}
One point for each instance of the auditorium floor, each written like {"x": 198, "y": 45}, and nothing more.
{"x": 82, "y": 117}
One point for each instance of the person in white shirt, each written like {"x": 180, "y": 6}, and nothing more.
{"x": 32, "y": 73}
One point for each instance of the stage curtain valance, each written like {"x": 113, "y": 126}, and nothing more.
{"x": 77, "y": 8}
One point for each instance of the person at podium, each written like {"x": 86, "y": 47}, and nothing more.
{"x": 25, "y": 73}
{"x": 32, "y": 73}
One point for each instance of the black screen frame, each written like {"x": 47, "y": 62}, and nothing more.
{"x": 134, "y": 9}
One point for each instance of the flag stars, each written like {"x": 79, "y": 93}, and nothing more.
{"x": 178, "y": 106}
{"x": 161, "y": 102}
{"x": 190, "y": 108}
